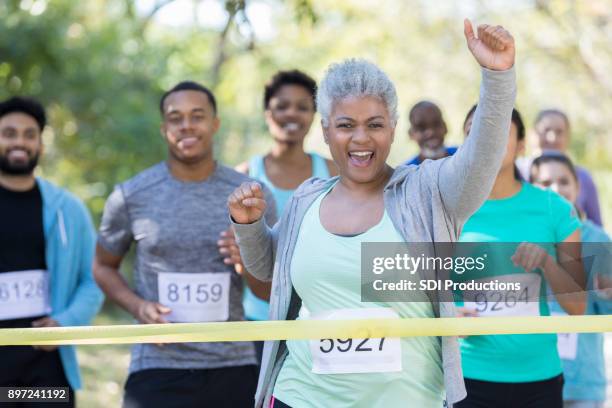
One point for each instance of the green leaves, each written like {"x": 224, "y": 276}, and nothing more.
{"x": 100, "y": 67}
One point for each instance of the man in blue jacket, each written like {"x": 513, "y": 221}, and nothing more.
{"x": 46, "y": 251}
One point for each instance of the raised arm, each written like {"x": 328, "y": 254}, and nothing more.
{"x": 465, "y": 179}
{"x": 247, "y": 205}
{"x": 228, "y": 247}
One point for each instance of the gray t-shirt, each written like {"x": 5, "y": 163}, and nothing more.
{"x": 176, "y": 227}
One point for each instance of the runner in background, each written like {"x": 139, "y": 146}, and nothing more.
{"x": 173, "y": 213}
{"x": 46, "y": 250}
{"x": 428, "y": 129}
{"x": 582, "y": 354}
{"x": 520, "y": 370}
{"x": 552, "y": 127}
{"x": 312, "y": 255}
{"x": 289, "y": 103}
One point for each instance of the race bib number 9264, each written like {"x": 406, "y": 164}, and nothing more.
{"x": 524, "y": 301}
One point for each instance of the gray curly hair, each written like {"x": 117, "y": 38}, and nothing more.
{"x": 354, "y": 78}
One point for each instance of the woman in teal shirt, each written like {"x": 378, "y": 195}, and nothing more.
{"x": 289, "y": 103}
{"x": 582, "y": 354}
{"x": 520, "y": 370}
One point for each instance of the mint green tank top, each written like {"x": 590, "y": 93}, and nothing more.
{"x": 326, "y": 273}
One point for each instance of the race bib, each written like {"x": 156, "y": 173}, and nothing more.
{"x": 24, "y": 294}
{"x": 524, "y": 301}
{"x": 195, "y": 297}
{"x": 567, "y": 343}
{"x": 345, "y": 356}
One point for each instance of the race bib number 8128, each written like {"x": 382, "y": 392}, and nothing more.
{"x": 24, "y": 294}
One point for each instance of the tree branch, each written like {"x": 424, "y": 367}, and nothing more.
{"x": 232, "y": 7}
{"x": 159, "y": 4}
{"x": 583, "y": 44}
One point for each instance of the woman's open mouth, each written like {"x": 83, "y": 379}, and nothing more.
{"x": 361, "y": 158}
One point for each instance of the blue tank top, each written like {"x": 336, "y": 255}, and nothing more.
{"x": 257, "y": 171}
{"x": 254, "y": 307}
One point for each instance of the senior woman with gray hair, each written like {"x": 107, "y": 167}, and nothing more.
{"x": 312, "y": 253}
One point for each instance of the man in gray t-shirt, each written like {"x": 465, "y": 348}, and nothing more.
{"x": 174, "y": 212}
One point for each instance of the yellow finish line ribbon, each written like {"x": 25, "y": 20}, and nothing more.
{"x": 302, "y": 329}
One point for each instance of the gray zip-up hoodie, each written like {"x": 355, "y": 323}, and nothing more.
{"x": 427, "y": 203}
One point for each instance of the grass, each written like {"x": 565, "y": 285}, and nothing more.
{"x": 104, "y": 368}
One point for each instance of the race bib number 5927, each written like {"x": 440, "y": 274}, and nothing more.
{"x": 344, "y": 356}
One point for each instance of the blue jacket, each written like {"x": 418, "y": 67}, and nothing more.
{"x": 69, "y": 250}
{"x": 585, "y": 376}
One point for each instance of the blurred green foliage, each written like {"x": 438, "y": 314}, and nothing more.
{"x": 100, "y": 67}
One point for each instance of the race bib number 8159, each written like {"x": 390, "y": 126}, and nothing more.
{"x": 195, "y": 297}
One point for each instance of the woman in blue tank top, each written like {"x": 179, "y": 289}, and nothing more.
{"x": 289, "y": 103}
{"x": 582, "y": 354}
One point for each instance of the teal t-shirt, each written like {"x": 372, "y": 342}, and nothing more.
{"x": 532, "y": 215}
{"x": 326, "y": 274}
